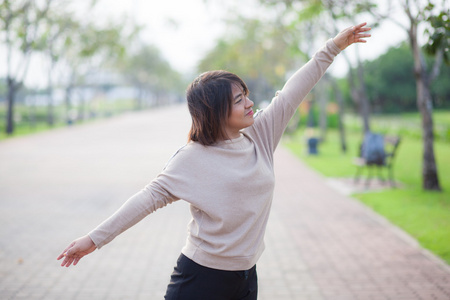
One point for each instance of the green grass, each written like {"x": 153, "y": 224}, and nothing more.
{"x": 30, "y": 120}
{"x": 424, "y": 215}
{"x": 408, "y": 125}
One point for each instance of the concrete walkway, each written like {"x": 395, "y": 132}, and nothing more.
{"x": 58, "y": 185}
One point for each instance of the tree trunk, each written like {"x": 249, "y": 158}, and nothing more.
{"x": 68, "y": 102}
{"x": 81, "y": 106}
{"x": 10, "y": 105}
{"x": 363, "y": 99}
{"x": 340, "y": 102}
{"x": 139, "y": 98}
{"x": 311, "y": 122}
{"x": 358, "y": 92}
{"x": 32, "y": 113}
{"x": 430, "y": 180}
{"x": 322, "y": 99}
{"x": 50, "y": 114}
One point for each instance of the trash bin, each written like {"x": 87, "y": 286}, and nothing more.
{"x": 312, "y": 145}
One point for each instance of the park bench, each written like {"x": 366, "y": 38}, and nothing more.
{"x": 376, "y": 151}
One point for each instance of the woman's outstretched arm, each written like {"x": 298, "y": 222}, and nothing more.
{"x": 143, "y": 203}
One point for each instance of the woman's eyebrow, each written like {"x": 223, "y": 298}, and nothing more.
{"x": 237, "y": 96}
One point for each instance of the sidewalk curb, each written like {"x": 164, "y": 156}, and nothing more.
{"x": 402, "y": 234}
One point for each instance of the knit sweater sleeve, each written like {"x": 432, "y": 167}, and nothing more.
{"x": 170, "y": 185}
{"x": 272, "y": 121}
{"x": 143, "y": 203}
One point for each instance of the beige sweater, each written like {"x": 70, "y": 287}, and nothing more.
{"x": 229, "y": 185}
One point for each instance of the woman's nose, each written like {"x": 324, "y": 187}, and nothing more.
{"x": 249, "y": 102}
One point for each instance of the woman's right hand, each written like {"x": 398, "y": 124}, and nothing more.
{"x": 351, "y": 35}
{"x": 76, "y": 250}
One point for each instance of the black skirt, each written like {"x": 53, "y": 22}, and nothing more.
{"x": 191, "y": 281}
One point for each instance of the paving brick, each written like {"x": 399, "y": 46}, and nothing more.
{"x": 58, "y": 185}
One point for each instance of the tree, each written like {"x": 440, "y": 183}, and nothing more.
{"x": 391, "y": 83}
{"x": 57, "y": 29}
{"x": 20, "y": 23}
{"x": 340, "y": 102}
{"x": 88, "y": 49}
{"x": 331, "y": 13}
{"x": 306, "y": 26}
{"x": 151, "y": 74}
{"x": 417, "y": 13}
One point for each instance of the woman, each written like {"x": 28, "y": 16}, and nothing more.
{"x": 225, "y": 172}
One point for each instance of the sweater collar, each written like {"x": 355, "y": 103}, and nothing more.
{"x": 240, "y": 142}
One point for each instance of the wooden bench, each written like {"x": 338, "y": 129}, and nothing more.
{"x": 390, "y": 147}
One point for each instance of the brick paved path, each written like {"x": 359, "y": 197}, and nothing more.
{"x": 56, "y": 186}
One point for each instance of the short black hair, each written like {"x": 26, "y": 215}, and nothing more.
{"x": 209, "y": 99}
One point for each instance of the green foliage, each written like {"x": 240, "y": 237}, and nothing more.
{"x": 440, "y": 88}
{"x": 390, "y": 81}
{"x": 147, "y": 68}
{"x": 20, "y": 25}
{"x": 311, "y": 10}
{"x": 258, "y": 54}
{"x": 391, "y": 84}
{"x": 332, "y": 118}
{"x": 49, "y": 27}
{"x": 439, "y": 33}
{"x": 404, "y": 124}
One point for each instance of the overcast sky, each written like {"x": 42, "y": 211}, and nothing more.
{"x": 199, "y": 25}
{"x": 185, "y": 30}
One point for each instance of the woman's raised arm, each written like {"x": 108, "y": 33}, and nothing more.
{"x": 277, "y": 115}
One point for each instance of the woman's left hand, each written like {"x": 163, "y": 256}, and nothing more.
{"x": 351, "y": 35}
{"x": 76, "y": 250}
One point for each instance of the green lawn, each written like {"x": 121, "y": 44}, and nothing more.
{"x": 30, "y": 120}
{"x": 424, "y": 215}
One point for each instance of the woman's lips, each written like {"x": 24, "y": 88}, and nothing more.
{"x": 250, "y": 113}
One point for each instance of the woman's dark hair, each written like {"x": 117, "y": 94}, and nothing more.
{"x": 210, "y": 99}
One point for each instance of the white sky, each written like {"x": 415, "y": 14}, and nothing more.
{"x": 182, "y": 29}
{"x": 198, "y": 25}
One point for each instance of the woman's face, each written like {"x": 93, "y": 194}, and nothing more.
{"x": 241, "y": 115}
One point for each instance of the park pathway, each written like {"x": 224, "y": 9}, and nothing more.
{"x": 58, "y": 185}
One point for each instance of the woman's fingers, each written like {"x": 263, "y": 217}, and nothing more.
{"x": 64, "y": 253}
{"x": 361, "y": 25}
{"x": 69, "y": 256}
{"x": 359, "y": 38}
{"x": 358, "y": 31}
{"x": 68, "y": 261}
{"x": 351, "y": 35}
{"x": 76, "y": 261}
